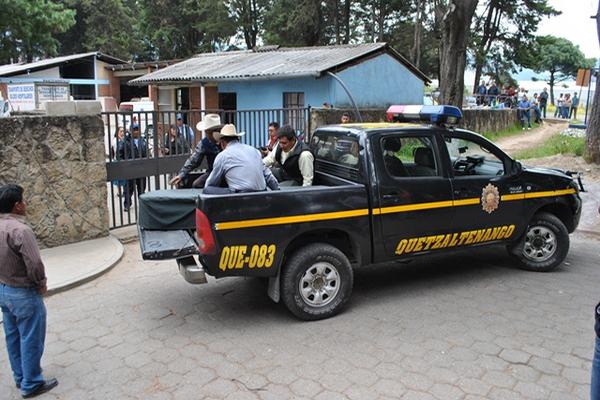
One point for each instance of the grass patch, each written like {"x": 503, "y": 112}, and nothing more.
{"x": 556, "y": 144}
{"x": 510, "y": 131}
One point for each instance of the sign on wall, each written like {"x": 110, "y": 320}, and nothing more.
{"x": 22, "y": 96}
{"x": 52, "y": 92}
{"x": 31, "y": 96}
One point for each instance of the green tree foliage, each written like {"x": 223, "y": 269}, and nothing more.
{"x": 109, "y": 26}
{"x": 249, "y": 17}
{"x": 29, "y": 28}
{"x": 181, "y": 28}
{"x": 502, "y": 29}
{"x": 295, "y": 23}
{"x": 558, "y": 57}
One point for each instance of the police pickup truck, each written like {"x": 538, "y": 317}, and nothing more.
{"x": 382, "y": 192}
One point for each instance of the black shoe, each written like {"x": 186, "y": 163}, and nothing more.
{"x": 48, "y": 385}
{"x": 18, "y": 385}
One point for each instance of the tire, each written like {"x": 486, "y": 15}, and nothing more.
{"x": 544, "y": 245}
{"x": 325, "y": 273}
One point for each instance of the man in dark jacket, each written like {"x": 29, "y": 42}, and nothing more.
{"x": 543, "y": 99}
{"x": 207, "y": 147}
{"x": 133, "y": 147}
{"x": 22, "y": 284}
{"x": 291, "y": 160}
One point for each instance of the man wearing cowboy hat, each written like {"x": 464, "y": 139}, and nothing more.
{"x": 238, "y": 166}
{"x": 207, "y": 147}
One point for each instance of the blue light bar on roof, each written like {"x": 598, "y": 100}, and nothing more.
{"x": 433, "y": 114}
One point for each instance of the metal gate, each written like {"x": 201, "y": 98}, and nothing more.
{"x": 136, "y": 166}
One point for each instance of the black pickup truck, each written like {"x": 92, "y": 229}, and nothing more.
{"x": 382, "y": 192}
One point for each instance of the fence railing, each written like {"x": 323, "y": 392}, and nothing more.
{"x": 140, "y": 156}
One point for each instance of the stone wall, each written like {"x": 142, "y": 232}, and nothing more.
{"x": 474, "y": 120}
{"x": 489, "y": 120}
{"x": 60, "y": 163}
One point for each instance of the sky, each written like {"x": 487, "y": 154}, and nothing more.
{"x": 574, "y": 24}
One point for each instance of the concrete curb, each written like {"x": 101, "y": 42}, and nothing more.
{"x": 91, "y": 274}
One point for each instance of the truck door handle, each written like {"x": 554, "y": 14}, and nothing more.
{"x": 392, "y": 195}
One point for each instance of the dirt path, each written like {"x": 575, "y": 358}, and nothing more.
{"x": 527, "y": 139}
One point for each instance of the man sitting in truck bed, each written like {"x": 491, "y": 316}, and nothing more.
{"x": 207, "y": 147}
{"x": 291, "y": 160}
{"x": 239, "y": 166}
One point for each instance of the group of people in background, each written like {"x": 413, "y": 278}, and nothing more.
{"x": 529, "y": 108}
{"x": 489, "y": 94}
{"x": 566, "y": 106}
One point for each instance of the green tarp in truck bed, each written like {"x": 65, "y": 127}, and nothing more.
{"x": 168, "y": 209}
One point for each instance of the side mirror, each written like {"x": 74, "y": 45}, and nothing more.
{"x": 516, "y": 168}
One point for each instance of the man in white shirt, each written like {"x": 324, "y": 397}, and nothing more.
{"x": 291, "y": 161}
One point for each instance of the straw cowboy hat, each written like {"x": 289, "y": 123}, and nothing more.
{"x": 210, "y": 121}
{"x": 228, "y": 130}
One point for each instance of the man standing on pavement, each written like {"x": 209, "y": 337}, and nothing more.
{"x": 133, "y": 147}
{"x": 22, "y": 284}
{"x": 291, "y": 161}
{"x": 238, "y": 168}
{"x": 207, "y": 147}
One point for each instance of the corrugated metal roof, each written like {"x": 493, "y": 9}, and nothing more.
{"x": 267, "y": 62}
{"x": 49, "y": 62}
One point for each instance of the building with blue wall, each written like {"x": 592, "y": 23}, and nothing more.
{"x": 274, "y": 78}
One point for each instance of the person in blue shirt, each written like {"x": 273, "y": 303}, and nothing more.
{"x": 238, "y": 168}
{"x": 207, "y": 148}
{"x": 525, "y": 110}
{"x": 481, "y": 91}
{"x": 574, "y": 105}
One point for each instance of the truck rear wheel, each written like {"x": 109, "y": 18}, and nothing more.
{"x": 544, "y": 244}
{"x": 316, "y": 282}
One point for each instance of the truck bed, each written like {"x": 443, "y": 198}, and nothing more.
{"x": 167, "y": 217}
{"x": 175, "y": 209}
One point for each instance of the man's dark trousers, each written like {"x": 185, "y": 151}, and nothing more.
{"x": 140, "y": 183}
{"x": 24, "y": 320}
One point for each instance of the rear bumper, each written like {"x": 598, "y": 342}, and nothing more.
{"x": 191, "y": 271}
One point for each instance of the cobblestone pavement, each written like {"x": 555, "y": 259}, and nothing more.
{"x": 468, "y": 326}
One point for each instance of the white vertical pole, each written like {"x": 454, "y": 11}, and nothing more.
{"x": 202, "y": 104}
{"x": 96, "y": 74}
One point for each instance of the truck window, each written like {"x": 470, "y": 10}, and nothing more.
{"x": 471, "y": 158}
{"x": 336, "y": 147}
{"x": 407, "y": 157}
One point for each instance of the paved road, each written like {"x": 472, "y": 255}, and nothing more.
{"x": 470, "y": 326}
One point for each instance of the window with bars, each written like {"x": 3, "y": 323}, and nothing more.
{"x": 293, "y": 114}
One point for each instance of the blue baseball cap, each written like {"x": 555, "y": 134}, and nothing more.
{"x": 179, "y": 116}
{"x": 135, "y": 126}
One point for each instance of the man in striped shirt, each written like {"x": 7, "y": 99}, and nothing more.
{"x": 22, "y": 284}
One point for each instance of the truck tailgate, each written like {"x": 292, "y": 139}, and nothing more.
{"x": 164, "y": 245}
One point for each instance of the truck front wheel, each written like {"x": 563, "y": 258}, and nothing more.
{"x": 544, "y": 245}
{"x": 316, "y": 282}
